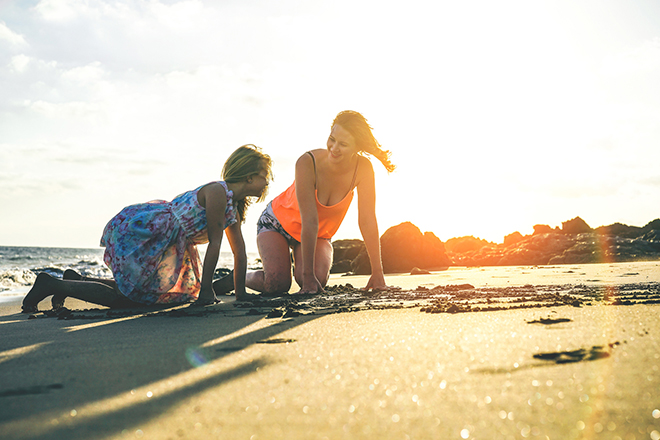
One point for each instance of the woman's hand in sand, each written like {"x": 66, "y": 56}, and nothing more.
{"x": 311, "y": 285}
{"x": 377, "y": 282}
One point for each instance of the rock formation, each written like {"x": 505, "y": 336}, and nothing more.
{"x": 404, "y": 247}
{"x": 575, "y": 243}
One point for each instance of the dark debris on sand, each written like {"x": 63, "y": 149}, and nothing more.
{"x": 461, "y": 298}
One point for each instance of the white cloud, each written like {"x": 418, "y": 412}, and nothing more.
{"x": 61, "y": 10}
{"x": 184, "y": 15}
{"x": 19, "y": 62}
{"x": 65, "y": 110}
{"x": 85, "y": 74}
{"x": 10, "y": 36}
{"x": 643, "y": 59}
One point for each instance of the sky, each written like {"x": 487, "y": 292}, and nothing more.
{"x": 499, "y": 115}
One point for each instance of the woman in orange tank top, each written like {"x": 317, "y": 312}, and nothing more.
{"x": 304, "y": 218}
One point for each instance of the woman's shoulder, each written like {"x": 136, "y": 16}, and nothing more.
{"x": 311, "y": 157}
{"x": 318, "y": 153}
{"x": 365, "y": 170}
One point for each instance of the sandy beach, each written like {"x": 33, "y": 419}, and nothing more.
{"x": 547, "y": 352}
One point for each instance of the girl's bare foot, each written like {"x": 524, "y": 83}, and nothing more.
{"x": 71, "y": 274}
{"x": 40, "y": 290}
{"x": 57, "y": 301}
{"x": 205, "y": 301}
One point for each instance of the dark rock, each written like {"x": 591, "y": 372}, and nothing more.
{"x": 342, "y": 266}
{"x": 466, "y": 244}
{"x": 619, "y": 230}
{"x": 344, "y": 253}
{"x": 523, "y": 257}
{"x": 404, "y": 247}
{"x": 543, "y": 229}
{"x": 653, "y": 235}
{"x": 575, "y": 226}
{"x": 513, "y": 238}
{"x": 347, "y": 249}
{"x": 418, "y": 271}
{"x": 361, "y": 264}
{"x": 654, "y": 224}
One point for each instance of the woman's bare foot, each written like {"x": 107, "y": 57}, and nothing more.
{"x": 40, "y": 289}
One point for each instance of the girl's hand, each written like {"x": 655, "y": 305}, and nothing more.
{"x": 206, "y": 296}
{"x": 247, "y": 297}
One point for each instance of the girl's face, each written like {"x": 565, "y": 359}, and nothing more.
{"x": 258, "y": 183}
{"x": 341, "y": 145}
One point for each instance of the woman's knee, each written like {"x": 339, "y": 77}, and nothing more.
{"x": 323, "y": 277}
{"x": 277, "y": 283}
{"x": 276, "y": 259}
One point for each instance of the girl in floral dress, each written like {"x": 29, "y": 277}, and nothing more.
{"x": 151, "y": 247}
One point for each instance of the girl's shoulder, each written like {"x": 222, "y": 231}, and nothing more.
{"x": 216, "y": 184}
{"x": 217, "y": 188}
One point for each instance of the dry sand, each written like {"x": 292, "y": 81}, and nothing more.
{"x": 563, "y": 352}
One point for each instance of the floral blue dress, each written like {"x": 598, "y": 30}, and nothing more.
{"x": 151, "y": 248}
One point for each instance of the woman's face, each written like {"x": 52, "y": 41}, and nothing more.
{"x": 341, "y": 145}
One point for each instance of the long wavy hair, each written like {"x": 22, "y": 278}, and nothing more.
{"x": 359, "y": 128}
{"x": 247, "y": 161}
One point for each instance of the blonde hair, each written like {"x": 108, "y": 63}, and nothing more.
{"x": 359, "y": 128}
{"x": 246, "y": 161}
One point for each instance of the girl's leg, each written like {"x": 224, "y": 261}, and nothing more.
{"x": 90, "y": 291}
{"x": 71, "y": 274}
{"x": 322, "y": 261}
{"x": 57, "y": 301}
{"x": 276, "y": 258}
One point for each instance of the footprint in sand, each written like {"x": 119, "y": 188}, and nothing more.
{"x": 583, "y": 354}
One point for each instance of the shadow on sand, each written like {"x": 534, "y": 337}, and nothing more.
{"x": 93, "y": 377}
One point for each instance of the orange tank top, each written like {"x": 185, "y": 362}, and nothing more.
{"x": 285, "y": 207}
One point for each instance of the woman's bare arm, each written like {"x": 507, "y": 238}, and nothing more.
{"x": 369, "y": 225}
{"x": 306, "y": 194}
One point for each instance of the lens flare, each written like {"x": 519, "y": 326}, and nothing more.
{"x": 195, "y": 357}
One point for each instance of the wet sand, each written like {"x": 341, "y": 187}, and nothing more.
{"x": 557, "y": 352}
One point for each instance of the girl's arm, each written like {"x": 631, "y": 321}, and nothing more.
{"x": 369, "y": 226}
{"x": 306, "y": 194}
{"x": 237, "y": 243}
{"x": 214, "y": 198}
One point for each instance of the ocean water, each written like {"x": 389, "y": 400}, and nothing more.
{"x": 19, "y": 265}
